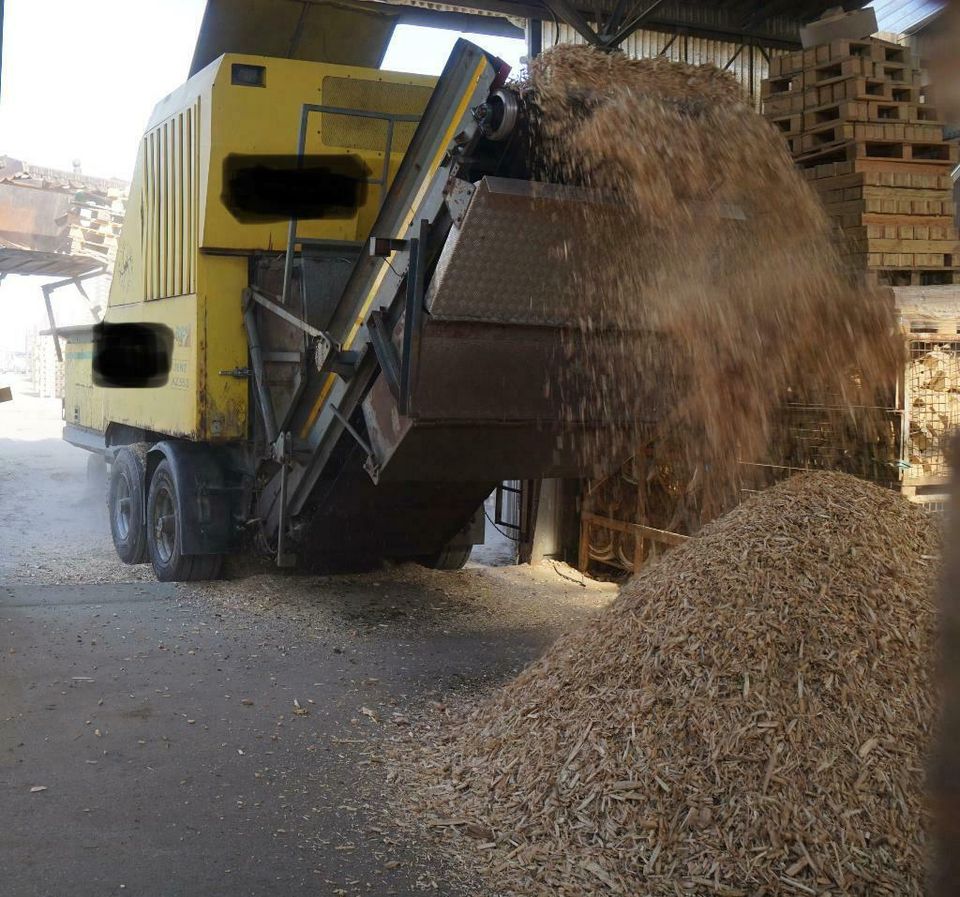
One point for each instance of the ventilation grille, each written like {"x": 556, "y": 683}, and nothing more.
{"x": 169, "y": 206}
{"x": 358, "y": 133}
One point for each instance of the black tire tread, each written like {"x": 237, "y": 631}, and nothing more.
{"x": 182, "y": 567}
{"x": 449, "y": 558}
{"x": 133, "y": 550}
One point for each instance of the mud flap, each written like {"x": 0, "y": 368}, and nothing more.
{"x": 205, "y": 500}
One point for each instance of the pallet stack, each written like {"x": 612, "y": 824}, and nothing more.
{"x": 94, "y": 221}
{"x": 857, "y": 120}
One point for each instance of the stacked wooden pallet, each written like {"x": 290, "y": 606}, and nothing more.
{"x": 46, "y": 369}
{"x": 94, "y": 221}
{"x": 857, "y": 120}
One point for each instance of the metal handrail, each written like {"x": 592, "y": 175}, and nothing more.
{"x": 390, "y": 118}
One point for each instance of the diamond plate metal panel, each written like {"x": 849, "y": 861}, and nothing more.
{"x": 510, "y": 261}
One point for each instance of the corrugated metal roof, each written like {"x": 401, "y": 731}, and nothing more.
{"x": 905, "y": 16}
{"x": 747, "y": 64}
{"x": 14, "y": 260}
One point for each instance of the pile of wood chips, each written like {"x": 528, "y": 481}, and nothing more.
{"x": 748, "y": 718}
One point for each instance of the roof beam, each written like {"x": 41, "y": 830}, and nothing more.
{"x": 634, "y": 24}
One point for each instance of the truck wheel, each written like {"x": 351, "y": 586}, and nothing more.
{"x": 163, "y": 534}
{"x": 447, "y": 558}
{"x": 125, "y": 502}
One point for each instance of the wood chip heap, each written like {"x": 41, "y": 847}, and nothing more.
{"x": 748, "y": 718}
{"x": 855, "y": 115}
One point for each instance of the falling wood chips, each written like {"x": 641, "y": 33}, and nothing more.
{"x": 715, "y": 243}
{"x": 749, "y": 717}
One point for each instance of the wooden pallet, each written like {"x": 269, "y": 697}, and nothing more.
{"x": 832, "y": 190}
{"x": 905, "y": 261}
{"x": 869, "y": 48}
{"x": 874, "y": 111}
{"x": 865, "y": 132}
{"x": 848, "y": 174}
{"x": 925, "y": 208}
{"x": 915, "y": 277}
{"x": 943, "y": 237}
{"x": 796, "y": 97}
{"x": 924, "y": 134}
{"x": 845, "y": 218}
{"x": 928, "y": 155}
{"x": 931, "y": 253}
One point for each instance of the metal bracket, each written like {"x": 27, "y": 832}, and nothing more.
{"x": 48, "y": 288}
{"x": 379, "y": 329}
{"x": 252, "y": 294}
{"x": 413, "y": 315}
{"x": 458, "y": 195}
{"x": 328, "y": 355}
{"x": 238, "y": 373}
{"x": 381, "y": 247}
{"x": 330, "y": 358}
{"x": 371, "y": 465}
{"x": 283, "y": 453}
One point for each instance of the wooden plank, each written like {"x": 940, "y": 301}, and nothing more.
{"x": 925, "y": 158}
{"x": 945, "y": 221}
{"x": 623, "y": 526}
{"x": 922, "y": 247}
{"x": 889, "y": 231}
{"x": 820, "y": 75}
{"x": 901, "y": 207}
{"x": 896, "y": 178}
{"x": 583, "y": 554}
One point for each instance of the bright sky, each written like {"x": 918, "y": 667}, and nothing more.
{"x": 425, "y": 50}
{"x": 80, "y": 77}
{"x": 55, "y": 108}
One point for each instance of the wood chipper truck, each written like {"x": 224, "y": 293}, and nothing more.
{"x": 351, "y": 379}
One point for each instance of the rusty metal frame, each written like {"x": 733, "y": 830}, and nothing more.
{"x": 639, "y": 531}
{"x": 48, "y": 288}
{"x": 305, "y": 111}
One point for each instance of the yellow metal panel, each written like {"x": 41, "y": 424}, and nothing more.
{"x": 82, "y": 401}
{"x": 266, "y": 120}
{"x": 355, "y": 328}
{"x": 174, "y": 242}
{"x": 223, "y": 347}
{"x": 172, "y": 409}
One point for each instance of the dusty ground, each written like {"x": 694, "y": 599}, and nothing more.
{"x": 222, "y": 739}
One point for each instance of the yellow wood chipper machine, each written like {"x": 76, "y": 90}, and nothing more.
{"x": 353, "y": 377}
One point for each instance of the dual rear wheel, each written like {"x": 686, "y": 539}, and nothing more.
{"x": 148, "y": 526}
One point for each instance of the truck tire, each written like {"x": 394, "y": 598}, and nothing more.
{"x": 125, "y": 504}
{"x": 447, "y": 558}
{"x": 163, "y": 534}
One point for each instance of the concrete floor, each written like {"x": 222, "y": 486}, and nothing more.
{"x": 220, "y": 739}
